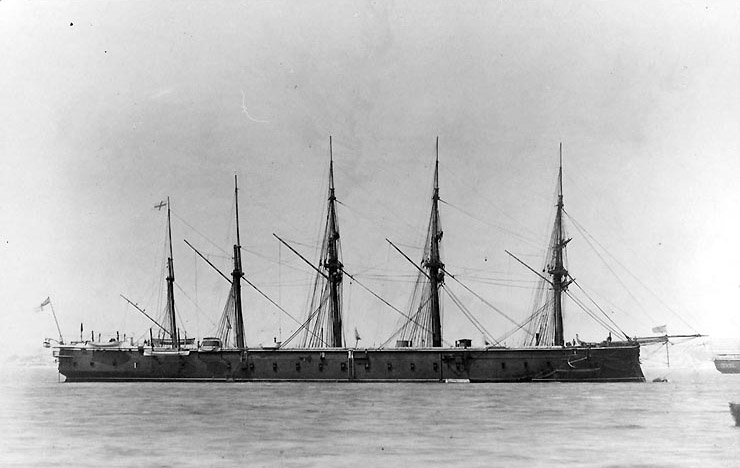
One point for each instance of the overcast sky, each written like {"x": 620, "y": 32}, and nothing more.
{"x": 110, "y": 107}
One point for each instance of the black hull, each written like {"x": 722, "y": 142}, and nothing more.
{"x": 566, "y": 364}
{"x": 728, "y": 365}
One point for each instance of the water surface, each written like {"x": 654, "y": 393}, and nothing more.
{"x": 682, "y": 423}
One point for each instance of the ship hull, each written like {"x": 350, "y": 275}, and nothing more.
{"x": 728, "y": 364}
{"x": 563, "y": 364}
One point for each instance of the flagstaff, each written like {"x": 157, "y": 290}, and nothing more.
{"x": 46, "y": 302}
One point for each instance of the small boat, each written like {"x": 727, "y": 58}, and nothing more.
{"x": 210, "y": 343}
{"x": 727, "y": 363}
{"x": 164, "y": 352}
{"x": 735, "y": 411}
{"x": 113, "y": 343}
{"x": 457, "y": 380}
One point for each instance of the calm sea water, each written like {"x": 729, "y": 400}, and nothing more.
{"x": 682, "y": 423}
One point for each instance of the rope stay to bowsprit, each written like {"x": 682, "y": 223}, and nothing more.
{"x": 593, "y": 243}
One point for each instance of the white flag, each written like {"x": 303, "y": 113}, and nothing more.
{"x": 660, "y": 329}
{"x": 47, "y": 301}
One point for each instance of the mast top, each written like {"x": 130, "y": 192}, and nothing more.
{"x": 169, "y": 228}
{"x": 236, "y": 202}
{"x": 436, "y": 170}
{"x": 331, "y": 173}
{"x": 561, "y": 154}
{"x": 560, "y": 178}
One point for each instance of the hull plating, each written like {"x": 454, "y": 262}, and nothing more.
{"x": 595, "y": 364}
{"x": 728, "y": 364}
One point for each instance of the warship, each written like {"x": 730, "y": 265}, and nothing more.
{"x": 420, "y": 353}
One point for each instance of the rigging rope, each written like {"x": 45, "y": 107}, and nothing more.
{"x": 197, "y": 308}
{"x": 302, "y": 326}
{"x": 413, "y": 319}
{"x": 600, "y": 309}
{"x": 199, "y": 233}
{"x": 481, "y": 298}
{"x": 529, "y": 319}
{"x": 588, "y": 235}
{"x": 469, "y": 315}
{"x": 271, "y": 301}
{"x": 588, "y": 238}
{"x": 386, "y": 303}
{"x": 516, "y": 234}
{"x": 596, "y": 318}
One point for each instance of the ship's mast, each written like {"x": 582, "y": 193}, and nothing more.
{"x": 557, "y": 268}
{"x": 236, "y": 276}
{"x": 170, "y": 286}
{"x": 323, "y": 327}
{"x": 332, "y": 264}
{"x": 434, "y": 264}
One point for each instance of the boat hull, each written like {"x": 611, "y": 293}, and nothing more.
{"x": 563, "y": 364}
{"x": 729, "y": 364}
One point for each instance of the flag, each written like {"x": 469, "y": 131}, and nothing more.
{"x": 660, "y": 329}
{"x": 357, "y": 335}
{"x": 47, "y": 301}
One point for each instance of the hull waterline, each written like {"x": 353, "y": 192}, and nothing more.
{"x": 539, "y": 364}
